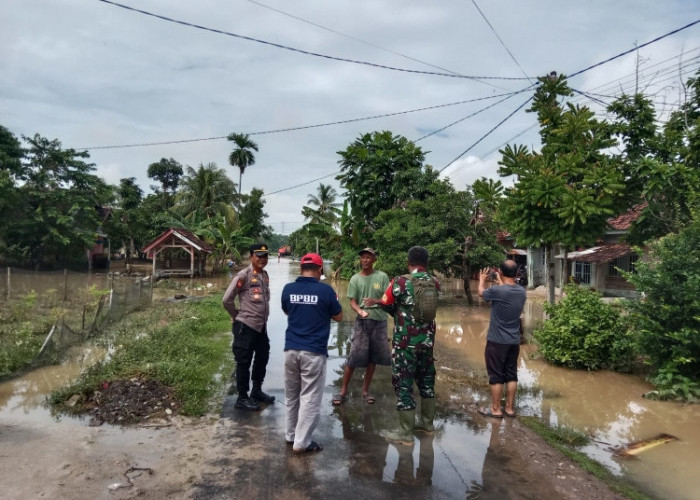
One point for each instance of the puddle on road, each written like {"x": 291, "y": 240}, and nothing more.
{"x": 23, "y": 398}
{"x": 607, "y": 406}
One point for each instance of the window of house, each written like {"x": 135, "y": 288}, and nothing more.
{"x": 582, "y": 272}
{"x": 624, "y": 263}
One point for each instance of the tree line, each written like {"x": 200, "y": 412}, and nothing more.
{"x": 54, "y": 207}
{"x": 586, "y": 170}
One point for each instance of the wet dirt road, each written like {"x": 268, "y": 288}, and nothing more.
{"x": 468, "y": 457}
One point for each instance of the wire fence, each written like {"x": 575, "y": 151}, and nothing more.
{"x": 75, "y": 305}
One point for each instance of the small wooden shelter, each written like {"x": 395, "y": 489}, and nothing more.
{"x": 182, "y": 239}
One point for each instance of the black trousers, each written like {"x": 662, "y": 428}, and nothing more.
{"x": 249, "y": 347}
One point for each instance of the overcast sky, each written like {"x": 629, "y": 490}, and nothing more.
{"x": 92, "y": 74}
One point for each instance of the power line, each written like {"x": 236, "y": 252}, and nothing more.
{"x": 305, "y": 52}
{"x": 340, "y": 33}
{"x": 303, "y": 127}
{"x": 589, "y": 96}
{"x": 496, "y": 148}
{"x": 634, "y": 49}
{"x": 365, "y": 118}
{"x": 501, "y": 40}
{"x": 487, "y": 133}
{"x": 470, "y": 115}
{"x": 301, "y": 185}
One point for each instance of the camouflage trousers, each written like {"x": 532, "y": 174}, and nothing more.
{"x": 409, "y": 366}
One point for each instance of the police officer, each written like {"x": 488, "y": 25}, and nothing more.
{"x": 251, "y": 345}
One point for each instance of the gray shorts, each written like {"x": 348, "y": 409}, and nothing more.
{"x": 369, "y": 344}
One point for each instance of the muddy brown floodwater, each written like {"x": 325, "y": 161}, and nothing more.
{"x": 469, "y": 457}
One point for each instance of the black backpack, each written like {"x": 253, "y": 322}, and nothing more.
{"x": 425, "y": 298}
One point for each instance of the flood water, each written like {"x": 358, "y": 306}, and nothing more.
{"x": 607, "y": 406}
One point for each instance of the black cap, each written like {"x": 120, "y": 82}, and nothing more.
{"x": 367, "y": 250}
{"x": 259, "y": 249}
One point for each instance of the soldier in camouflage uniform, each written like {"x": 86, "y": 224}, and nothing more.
{"x": 412, "y": 350}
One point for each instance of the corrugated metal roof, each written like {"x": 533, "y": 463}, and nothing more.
{"x": 599, "y": 254}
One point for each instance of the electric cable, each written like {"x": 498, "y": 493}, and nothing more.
{"x": 301, "y": 185}
{"x": 678, "y": 30}
{"x": 366, "y": 118}
{"x": 305, "y": 52}
{"x": 304, "y": 127}
{"x": 501, "y": 40}
{"x": 496, "y": 148}
{"x": 488, "y": 133}
{"x": 470, "y": 115}
{"x": 350, "y": 37}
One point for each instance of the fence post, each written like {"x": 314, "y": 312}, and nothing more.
{"x": 111, "y": 293}
{"x": 65, "y": 285}
{"x": 8, "y": 282}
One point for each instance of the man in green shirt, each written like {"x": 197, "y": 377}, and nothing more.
{"x": 369, "y": 344}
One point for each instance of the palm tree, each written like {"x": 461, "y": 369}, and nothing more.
{"x": 242, "y": 156}
{"x": 327, "y": 209}
{"x": 205, "y": 193}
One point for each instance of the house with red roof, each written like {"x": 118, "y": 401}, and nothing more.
{"x": 601, "y": 266}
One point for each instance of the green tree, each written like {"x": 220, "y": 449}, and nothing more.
{"x": 168, "y": 172}
{"x": 252, "y": 215}
{"x": 127, "y": 220}
{"x": 380, "y": 171}
{"x": 242, "y": 156}
{"x": 565, "y": 193}
{"x": 11, "y": 155}
{"x": 56, "y": 216}
{"x": 11, "y": 152}
{"x": 459, "y": 233}
{"x": 661, "y": 166}
{"x": 323, "y": 207}
{"x": 204, "y": 193}
{"x": 666, "y": 322}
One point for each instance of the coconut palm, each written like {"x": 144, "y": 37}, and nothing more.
{"x": 242, "y": 156}
{"x": 205, "y": 193}
{"x": 326, "y": 209}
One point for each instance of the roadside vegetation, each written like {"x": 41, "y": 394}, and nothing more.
{"x": 22, "y": 332}
{"x": 182, "y": 345}
{"x": 581, "y": 331}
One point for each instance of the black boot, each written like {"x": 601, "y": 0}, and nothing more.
{"x": 258, "y": 395}
{"x": 245, "y": 403}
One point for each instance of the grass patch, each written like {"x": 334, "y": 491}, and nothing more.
{"x": 565, "y": 440}
{"x": 181, "y": 345}
{"x": 23, "y": 329}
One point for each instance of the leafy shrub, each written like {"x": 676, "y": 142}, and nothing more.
{"x": 666, "y": 322}
{"x": 583, "y": 332}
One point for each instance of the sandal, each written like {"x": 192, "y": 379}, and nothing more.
{"x": 510, "y": 415}
{"x": 369, "y": 399}
{"x": 488, "y": 413}
{"x": 338, "y": 399}
{"x": 312, "y": 448}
